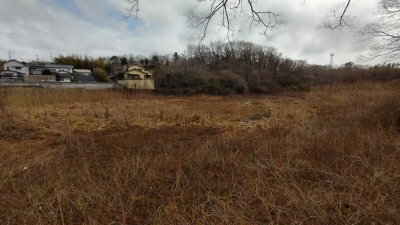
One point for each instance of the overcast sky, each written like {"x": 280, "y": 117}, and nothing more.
{"x": 98, "y": 28}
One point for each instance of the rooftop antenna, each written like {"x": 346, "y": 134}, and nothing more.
{"x": 332, "y": 56}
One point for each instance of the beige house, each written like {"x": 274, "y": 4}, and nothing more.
{"x": 138, "y": 78}
{"x": 136, "y": 72}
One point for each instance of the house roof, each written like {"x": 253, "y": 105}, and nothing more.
{"x": 59, "y": 66}
{"x": 14, "y": 60}
{"x": 36, "y": 66}
{"x": 82, "y": 71}
{"x": 64, "y": 73}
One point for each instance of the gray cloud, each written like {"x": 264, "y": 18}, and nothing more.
{"x": 30, "y": 27}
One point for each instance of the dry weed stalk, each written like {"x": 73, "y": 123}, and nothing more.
{"x": 327, "y": 157}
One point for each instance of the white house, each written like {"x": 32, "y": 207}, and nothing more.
{"x": 17, "y": 66}
{"x": 55, "y": 68}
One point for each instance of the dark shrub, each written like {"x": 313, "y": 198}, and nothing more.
{"x": 261, "y": 84}
{"x": 182, "y": 81}
{"x": 287, "y": 80}
{"x": 232, "y": 83}
{"x": 46, "y": 72}
{"x": 198, "y": 82}
{"x": 100, "y": 75}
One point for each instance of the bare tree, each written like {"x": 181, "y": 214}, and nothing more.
{"x": 386, "y": 31}
{"x": 267, "y": 19}
{"x": 226, "y": 11}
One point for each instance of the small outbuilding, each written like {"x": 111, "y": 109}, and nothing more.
{"x": 11, "y": 76}
{"x": 64, "y": 76}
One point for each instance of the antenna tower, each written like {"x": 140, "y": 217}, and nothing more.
{"x": 332, "y": 56}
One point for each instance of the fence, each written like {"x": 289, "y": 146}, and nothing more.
{"x": 94, "y": 86}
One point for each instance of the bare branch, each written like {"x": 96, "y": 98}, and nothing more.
{"x": 339, "y": 21}
{"x": 385, "y": 32}
{"x": 228, "y": 11}
{"x": 133, "y": 9}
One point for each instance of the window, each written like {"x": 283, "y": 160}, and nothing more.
{"x": 133, "y": 77}
{"x": 18, "y": 67}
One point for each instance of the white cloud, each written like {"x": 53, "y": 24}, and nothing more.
{"x": 30, "y": 27}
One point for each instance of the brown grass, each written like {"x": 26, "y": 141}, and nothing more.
{"x": 330, "y": 156}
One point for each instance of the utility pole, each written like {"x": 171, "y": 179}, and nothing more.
{"x": 37, "y": 58}
{"x": 9, "y": 54}
{"x": 332, "y": 55}
{"x": 51, "y": 57}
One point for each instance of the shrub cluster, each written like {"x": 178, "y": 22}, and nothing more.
{"x": 100, "y": 75}
{"x": 225, "y": 82}
{"x": 199, "y": 82}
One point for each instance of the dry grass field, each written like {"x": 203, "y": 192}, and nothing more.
{"x": 329, "y": 156}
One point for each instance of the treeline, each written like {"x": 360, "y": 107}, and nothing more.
{"x": 350, "y": 73}
{"x": 240, "y": 67}
{"x": 228, "y": 68}
{"x": 85, "y": 62}
{"x": 233, "y": 68}
{"x": 111, "y": 65}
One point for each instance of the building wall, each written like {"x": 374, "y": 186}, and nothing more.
{"x": 56, "y": 70}
{"x": 84, "y": 79}
{"x": 37, "y": 72}
{"x": 13, "y": 65}
{"x": 138, "y": 84}
{"x": 39, "y": 78}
